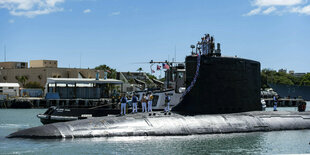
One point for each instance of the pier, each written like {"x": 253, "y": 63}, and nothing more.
{"x": 46, "y": 103}
{"x": 284, "y": 102}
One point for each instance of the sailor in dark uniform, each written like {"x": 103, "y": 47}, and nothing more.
{"x": 123, "y": 105}
{"x": 275, "y": 103}
{"x": 134, "y": 103}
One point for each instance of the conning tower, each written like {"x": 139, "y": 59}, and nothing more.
{"x": 223, "y": 84}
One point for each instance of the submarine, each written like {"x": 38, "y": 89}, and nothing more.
{"x": 222, "y": 96}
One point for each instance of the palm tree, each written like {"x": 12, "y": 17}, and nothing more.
{"x": 140, "y": 70}
{"x": 22, "y": 79}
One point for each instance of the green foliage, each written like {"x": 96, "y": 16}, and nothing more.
{"x": 139, "y": 69}
{"x": 21, "y": 79}
{"x": 305, "y": 80}
{"x": 111, "y": 72}
{"x": 151, "y": 76}
{"x": 33, "y": 85}
{"x": 272, "y": 76}
{"x": 162, "y": 79}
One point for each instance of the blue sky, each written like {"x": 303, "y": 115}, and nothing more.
{"x": 123, "y": 33}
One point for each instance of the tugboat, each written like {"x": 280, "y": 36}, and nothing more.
{"x": 222, "y": 96}
{"x": 174, "y": 81}
{"x": 58, "y": 114}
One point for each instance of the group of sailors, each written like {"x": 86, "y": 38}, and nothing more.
{"x": 207, "y": 45}
{"x": 146, "y": 102}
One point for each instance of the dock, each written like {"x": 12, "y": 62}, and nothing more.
{"x": 284, "y": 102}
{"x": 46, "y": 103}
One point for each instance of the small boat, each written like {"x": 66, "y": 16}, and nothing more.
{"x": 56, "y": 114}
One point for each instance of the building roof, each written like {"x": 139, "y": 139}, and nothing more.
{"x": 9, "y": 85}
{"x": 84, "y": 81}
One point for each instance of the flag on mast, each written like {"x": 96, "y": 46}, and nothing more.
{"x": 165, "y": 66}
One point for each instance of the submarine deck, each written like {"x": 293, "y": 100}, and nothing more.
{"x": 159, "y": 124}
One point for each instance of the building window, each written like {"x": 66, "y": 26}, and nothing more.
{"x": 1, "y": 91}
{"x": 1, "y": 87}
{"x": 11, "y": 87}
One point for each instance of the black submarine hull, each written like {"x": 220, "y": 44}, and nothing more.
{"x": 161, "y": 124}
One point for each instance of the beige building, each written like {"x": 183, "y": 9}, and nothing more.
{"x": 9, "y": 65}
{"x": 39, "y": 71}
{"x": 43, "y": 63}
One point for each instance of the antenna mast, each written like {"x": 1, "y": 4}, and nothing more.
{"x": 4, "y": 53}
{"x": 175, "y": 53}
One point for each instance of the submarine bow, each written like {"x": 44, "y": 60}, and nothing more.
{"x": 174, "y": 124}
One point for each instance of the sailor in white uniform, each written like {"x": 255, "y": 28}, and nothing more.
{"x": 149, "y": 105}
{"x": 144, "y": 100}
{"x": 167, "y": 103}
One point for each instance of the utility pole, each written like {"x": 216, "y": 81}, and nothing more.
{"x": 175, "y": 52}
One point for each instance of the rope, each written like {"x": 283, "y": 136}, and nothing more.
{"x": 195, "y": 77}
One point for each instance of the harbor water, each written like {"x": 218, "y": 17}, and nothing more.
{"x": 277, "y": 142}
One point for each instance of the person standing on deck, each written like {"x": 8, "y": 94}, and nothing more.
{"x": 123, "y": 104}
{"x": 134, "y": 103}
{"x": 167, "y": 103}
{"x": 143, "y": 100}
{"x": 275, "y": 103}
{"x": 207, "y": 44}
{"x": 204, "y": 48}
{"x": 150, "y": 100}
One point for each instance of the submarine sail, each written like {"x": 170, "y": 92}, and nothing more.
{"x": 224, "y": 85}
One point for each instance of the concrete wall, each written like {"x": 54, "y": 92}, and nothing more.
{"x": 7, "y": 65}
{"x": 41, "y": 74}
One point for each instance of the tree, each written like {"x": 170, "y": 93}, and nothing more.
{"x": 305, "y": 80}
{"x": 111, "y": 72}
{"x": 21, "y": 79}
{"x": 33, "y": 85}
{"x": 272, "y": 76}
{"x": 140, "y": 70}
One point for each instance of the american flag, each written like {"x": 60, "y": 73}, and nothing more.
{"x": 166, "y": 66}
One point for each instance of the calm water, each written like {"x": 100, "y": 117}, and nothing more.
{"x": 279, "y": 142}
